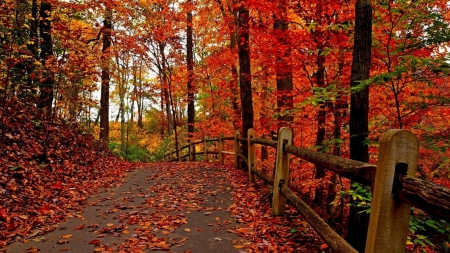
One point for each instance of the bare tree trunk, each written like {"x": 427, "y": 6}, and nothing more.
{"x": 32, "y": 47}
{"x": 140, "y": 101}
{"x": 233, "y": 83}
{"x": 285, "y": 101}
{"x": 321, "y": 121}
{"x": 104, "y": 92}
{"x": 339, "y": 112}
{"x": 190, "y": 69}
{"x": 46, "y": 85}
{"x": 164, "y": 84}
{"x": 359, "y": 112}
{"x": 245, "y": 73}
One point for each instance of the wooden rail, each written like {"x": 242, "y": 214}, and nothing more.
{"x": 395, "y": 188}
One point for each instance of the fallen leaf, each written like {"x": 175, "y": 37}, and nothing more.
{"x": 95, "y": 242}
{"x": 187, "y": 229}
{"x": 32, "y": 250}
{"x": 79, "y": 227}
{"x": 239, "y": 246}
{"x": 66, "y": 236}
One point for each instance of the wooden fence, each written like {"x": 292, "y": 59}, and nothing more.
{"x": 395, "y": 188}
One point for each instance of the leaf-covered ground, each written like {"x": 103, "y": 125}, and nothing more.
{"x": 47, "y": 169}
{"x": 53, "y": 172}
{"x": 178, "y": 207}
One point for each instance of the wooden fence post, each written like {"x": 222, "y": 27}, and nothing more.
{"x": 389, "y": 218}
{"x": 281, "y": 171}
{"x": 220, "y": 148}
{"x": 236, "y": 149}
{"x": 206, "y": 149}
{"x": 251, "y": 155}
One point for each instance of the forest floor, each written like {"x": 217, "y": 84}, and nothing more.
{"x": 157, "y": 208}
{"x": 176, "y": 207}
{"x": 61, "y": 190}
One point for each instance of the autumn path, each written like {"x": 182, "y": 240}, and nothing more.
{"x": 181, "y": 207}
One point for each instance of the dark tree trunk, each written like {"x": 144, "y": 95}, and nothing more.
{"x": 190, "y": 69}
{"x": 283, "y": 68}
{"x": 162, "y": 129}
{"x": 245, "y": 74}
{"x": 104, "y": 92}
{"x": 46, "y": 85}
{"x": 32, "y": 47}
{"x": 139, "y": 100}
{"x": 233, "y": 83}
{"x": 359, "y": 111}
{"x": 339, "y": 109}
{"x": 163, "y": 77}
{"x": 321, "y": 121}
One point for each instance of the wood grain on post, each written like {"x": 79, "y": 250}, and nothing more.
{"x": 389, "y": 218}
{"x": 281, "y": 171}
{"x": 251, "y": 155}
{"x": 236, "y": 149}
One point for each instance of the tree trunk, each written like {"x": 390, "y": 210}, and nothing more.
{"x": 233, "y": 83}
{"x": 122, "y": 86}
{"x": 190, "y": 69}
{"x": 32, "y": 47}
{"x": 104, "y": 92}
{"x": 46, "y": 85}
{"x": 285, "y": 101}
{"x": 359, "y": 111}
{"x": 245, "y": 74}
{"x": 21, "y": 35}
{"x": 163, "y": 77}
{"x": 321, "y": 121}
{"x": 140, "y": 100}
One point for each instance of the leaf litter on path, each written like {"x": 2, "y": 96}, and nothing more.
{"x": 179, "y": 207}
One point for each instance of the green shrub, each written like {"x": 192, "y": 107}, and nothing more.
{"x": 426, "y": 231}
{"x": 131, "y": 153}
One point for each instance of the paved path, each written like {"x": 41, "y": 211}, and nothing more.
{"x": 176, "y": 207}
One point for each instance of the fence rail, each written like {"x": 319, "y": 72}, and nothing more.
{"x": 395, "y": 188}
